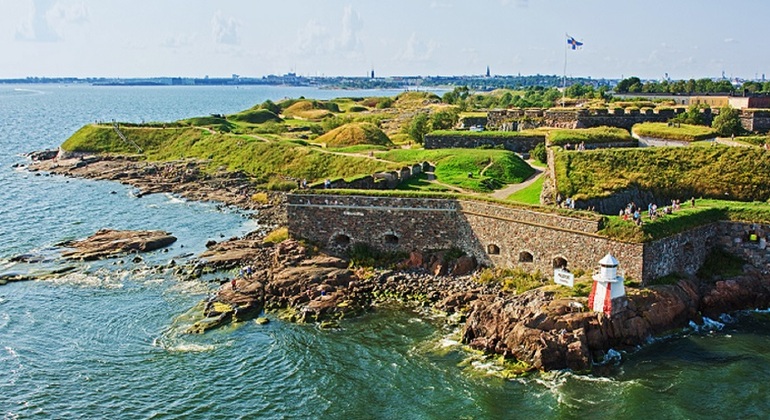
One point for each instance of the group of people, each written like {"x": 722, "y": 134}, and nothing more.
{"x": 579, "y": 147}
{"x": 633, "y": 212}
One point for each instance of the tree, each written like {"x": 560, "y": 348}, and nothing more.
{"x": 691, "y": 116}
{"x": 418, "y": 127}
{"x": 624, "y": 85}
{"x": 728, "y": 122}
{"x": 444, "y": 119}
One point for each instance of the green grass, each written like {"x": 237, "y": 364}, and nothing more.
{"x": 718, "y": 172}
{"x": 530, "y": 194}
{"x": 590, "y": 135}
{"x": 688, "y": 217}
{"x": 454, "y": 165}
{"x": 259, "y": 159}
{"x": 421, "y": 183}
{"x": 255, "y": 116}
{"x": 683, "y": 132}
{"x": 361, "y": 148}
{"x": 355, "y": 134}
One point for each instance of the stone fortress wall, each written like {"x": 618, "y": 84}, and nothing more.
{"x": 502, "y": 236}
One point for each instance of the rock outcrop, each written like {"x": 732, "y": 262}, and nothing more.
{"x": 108, "y": 243}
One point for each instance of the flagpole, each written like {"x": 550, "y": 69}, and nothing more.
{"x": 564, "y": 78}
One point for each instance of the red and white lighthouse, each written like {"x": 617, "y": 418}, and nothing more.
{"x": 607, "y": 287}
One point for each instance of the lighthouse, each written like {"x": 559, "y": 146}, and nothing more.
{"x": 607, "y": 287}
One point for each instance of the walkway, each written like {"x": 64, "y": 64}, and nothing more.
{"x": 507, "y": 191}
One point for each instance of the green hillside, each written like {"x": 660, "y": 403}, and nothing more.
{"x": 717, "y": 172}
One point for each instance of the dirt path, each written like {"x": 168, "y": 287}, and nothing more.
{"x": 505, "y": 192}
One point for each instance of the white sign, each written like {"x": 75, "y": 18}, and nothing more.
{"x": 563, "y": 277}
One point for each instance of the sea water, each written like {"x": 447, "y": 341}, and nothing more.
{"x": 106, "y": 340}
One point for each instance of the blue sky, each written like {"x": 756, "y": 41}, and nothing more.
{"x": 140, "y": 38}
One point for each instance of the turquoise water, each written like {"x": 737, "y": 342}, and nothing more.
{"x": 105, "y": 340}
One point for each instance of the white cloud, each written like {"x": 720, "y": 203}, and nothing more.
{"x": 417, "y": 50}
{"x": 177, "y": 41}
{"x": 350, "y": 39}
{"x": 315, "y": 38}
{"x": 731, "y": 41}
{"x": 76, "y": 14}
{"x": 37, "y": 26}
{"x": 225, "y": 29}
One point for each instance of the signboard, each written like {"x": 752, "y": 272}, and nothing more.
{"x": 563, "y": 277}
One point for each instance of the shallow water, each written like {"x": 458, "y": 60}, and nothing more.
{"x": 106, "y": 341}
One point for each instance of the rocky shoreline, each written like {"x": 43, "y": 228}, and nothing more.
{"x": 538, "y": 328}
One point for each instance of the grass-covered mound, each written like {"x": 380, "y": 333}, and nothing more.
{"x": 260, "y": 159}
{"x": 104, "y": 139}
{"x": 489, "y": 169}
{"x": 255, "y": 116}
{"x": 212, "y": 122}
{"x": 590, "y": 135}
{"x": 681, "y": 132}
{"x": 415, "y": 100}
{"x": 355, "y": 134}
{"x": 308, "y": 110}
{"x": 717, "y": 172}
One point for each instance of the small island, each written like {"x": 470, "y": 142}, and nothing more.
{"x": 469, "y": 203}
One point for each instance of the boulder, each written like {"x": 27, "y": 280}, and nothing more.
{"x": 109, "y": 243}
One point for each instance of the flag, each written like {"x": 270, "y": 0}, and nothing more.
{"x": 573, "y": 43}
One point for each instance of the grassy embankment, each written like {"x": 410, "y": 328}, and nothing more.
{"x": 682, "y": 132}
{"x": 711, "y": 172}
{"x": 688, "y": 217}
{"x": 489, "y": 169}
{"x": 589, "y": 136}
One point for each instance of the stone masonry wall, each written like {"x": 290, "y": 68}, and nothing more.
{"x": 495, "y": 235}
{"x": 681, "y": 253}
{"x": 507, "y": 237}
{"x": 523, "y": 144}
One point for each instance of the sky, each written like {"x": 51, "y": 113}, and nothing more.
{"x": 195, "y": 38}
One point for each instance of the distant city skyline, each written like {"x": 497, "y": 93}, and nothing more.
{"x": 195, "y": 38}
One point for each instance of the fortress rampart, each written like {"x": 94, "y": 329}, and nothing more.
{"x": 502, "y": 236}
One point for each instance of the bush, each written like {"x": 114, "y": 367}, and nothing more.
{"x": 540, "y": 153}
{"x": 278, "y": 235}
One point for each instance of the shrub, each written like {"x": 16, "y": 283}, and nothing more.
{"x": 260, "y": 198}
{"x": 278, "y": 235}
{"x": 540, "y": 153}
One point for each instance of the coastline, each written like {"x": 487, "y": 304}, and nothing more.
{"x": 538, "y": 328}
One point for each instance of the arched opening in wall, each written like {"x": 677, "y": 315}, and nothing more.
{"x": 391, "y": 239}
{"x": 560, "y": 262}
{"x": 526, "y": 257}
{"x": 341, "y": 240}
{"x": 688, "y": 247}
{"x": 493, "y": 249}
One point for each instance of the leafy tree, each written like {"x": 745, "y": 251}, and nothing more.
{"x": 624, "y": 85}
{"x": 728, "y": 122}
{"x": 691, "y": 116}
{"x": 418, "y": 127}
{"x": 444, "y": 119}
{"x": 505, "y": 100}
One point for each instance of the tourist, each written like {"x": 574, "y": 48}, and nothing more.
{"x": 248, "y": 271}
{"x": 692, "y": 201}
{"x": 327, "y": 184}
{"x": 234, "y": 284}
